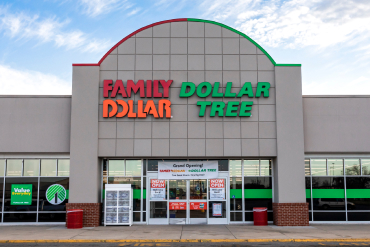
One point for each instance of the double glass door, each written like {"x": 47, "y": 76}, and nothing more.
{"x": 188, "y": 202}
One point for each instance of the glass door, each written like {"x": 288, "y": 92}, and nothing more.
{"x": 178, "y": 201}
{"x": 198, "y": 201}
{"x": 218, "y": 209}
{"x": 157, "y": 203}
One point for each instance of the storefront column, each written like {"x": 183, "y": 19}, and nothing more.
{"x": 85, "y": 168}
{"x": 289, "y": 205}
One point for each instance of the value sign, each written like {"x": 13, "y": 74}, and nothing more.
{"x": 21, "y": 194}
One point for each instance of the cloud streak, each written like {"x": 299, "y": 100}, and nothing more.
{"x": 48, "y": 30}
{"x": 296, "y": 23}
{"x": 28, "y": 82}
{"x": 94, "y": 8}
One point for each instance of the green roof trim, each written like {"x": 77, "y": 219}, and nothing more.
{"x": 247, "y": 37}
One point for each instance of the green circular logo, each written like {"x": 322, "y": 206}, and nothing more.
{"x": 56, "y": 194}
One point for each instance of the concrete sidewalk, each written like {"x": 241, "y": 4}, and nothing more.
{"x": 186, "y": 232}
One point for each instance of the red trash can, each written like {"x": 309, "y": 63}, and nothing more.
{"x": 260, "y": 216}
{"x": 75, "y": 218}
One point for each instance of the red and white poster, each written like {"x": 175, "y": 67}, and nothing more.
{"x": 198, "y": 205}
{"x": 157, "y": 189}
{"x": 177, "y": 206}
{"x": 217, "y": 189}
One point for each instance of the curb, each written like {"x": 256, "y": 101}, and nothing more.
{"x": 185, "y": 240}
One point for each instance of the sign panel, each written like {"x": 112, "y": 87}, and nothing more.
{"x": 21, "y": 194}
{"x": 157, "y": 189}
{"x": 217, "y": 209}
{"x": 217, "y": 189}
{"x": 56, "y": 194}
{"x": 198, "y": 205}
{"x": 177, "y": 206}
{"x": 188, "y": 170}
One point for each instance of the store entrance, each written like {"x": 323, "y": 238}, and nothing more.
{"x": 188, "y": 201}
{"x": 192, "y": 201}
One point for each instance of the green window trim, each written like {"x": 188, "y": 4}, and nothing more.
{"x": 308, "y": 193}
{"x": 258, "y": 193}
{"x": 327, "y": 193}
{"x": 247, "y": 37}
{"x": 358, "y": 193}
{"x": 237, "y": 193}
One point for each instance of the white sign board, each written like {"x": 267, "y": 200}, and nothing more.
{"x": 217, "y": 189}
{"x": 157, "y": 189}
{"x": 217, "y": 209}
{"x": 188, "y": 170}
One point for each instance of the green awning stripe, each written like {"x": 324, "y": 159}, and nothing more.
{"x": 328, "y": 193}
{"x": 258, "y": 193}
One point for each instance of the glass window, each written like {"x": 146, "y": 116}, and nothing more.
{"x": 48, "y": 168}
{"x": 365, "y": 166}
{"x": 223, "y": 209}
{"x": 153, "y": 165}
{"x": 307, "y": 167}
{"x": 223, "y": 165}
{"x": 105, "y": 167}
{"x": 318, "y": 167}
{"x": 31, "y": 168}
{"x": 2, "y": 167}
{"x": 235, "y": 167}
{"x": 63, "y": 168}
{"x": 133, "y": 168}
{"x": 116, "y": 168}
{"x": 236, "y": 216}
{"x": 14, "y": 168}
{"x": 21, "y": 203}
{"x": 251, "y": 168}
{"x": 257, "y": 183}
{"x": 47, "y": 202}
{"x": 335, "y": 167}
{"x": 265, "y": 167}
{"x": 135, "y": 181}
{"x": 352, "y": 166}
{"x": 198, "y": 189}
{"x": 328, "y": 183}
{"x": 178, "y": 189}
{"x": 158, "y": 209}
{"x": 236, "y": 183}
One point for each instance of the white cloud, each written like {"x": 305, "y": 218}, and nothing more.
{"x": 134, "y": 11}
{"x": 360, "y": 85}
{"x": 24, "y": 27}
{"x": 23, "y": 82}
{"x": 295, "y": 23}
{"x": 95, "y": 8}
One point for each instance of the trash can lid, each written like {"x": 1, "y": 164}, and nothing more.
{"x": 74, "y": 210}
{"x": 259, "y": 209}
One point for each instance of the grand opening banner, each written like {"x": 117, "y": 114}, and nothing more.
{"x": 188, "y": 170}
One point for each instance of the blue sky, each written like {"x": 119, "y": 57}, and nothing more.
{"x": 39, "y": 40}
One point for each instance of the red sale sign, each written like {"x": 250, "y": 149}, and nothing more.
{"x": 177, "y": 206}
{"x": 217, "y": 183}
{"x": 198, "y": 205}
{"x": 157, "y": 183}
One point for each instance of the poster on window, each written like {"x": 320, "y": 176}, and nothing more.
{"x": 188, "y": 170}
{"x": 217, "y": 189}
{"x": 198, "y": 205}
{"x": 177, "y": 205}
{"x": 217, "y": 209}
{"x": 157, "y": 189}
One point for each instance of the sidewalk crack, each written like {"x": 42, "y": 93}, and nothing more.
{"x": 230, "y": 231}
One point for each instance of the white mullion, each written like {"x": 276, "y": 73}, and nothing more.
{"x": 243, "y": 199}
{"x": 345, "y": 190}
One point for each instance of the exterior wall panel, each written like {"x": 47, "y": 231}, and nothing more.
{"x": 335, "y": 124}
{"x": 35, "y": 124}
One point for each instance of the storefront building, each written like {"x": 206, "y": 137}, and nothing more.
{"x": 199, "y": 110}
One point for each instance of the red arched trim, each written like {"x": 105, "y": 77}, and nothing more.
{"x": 126, "y": 38}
